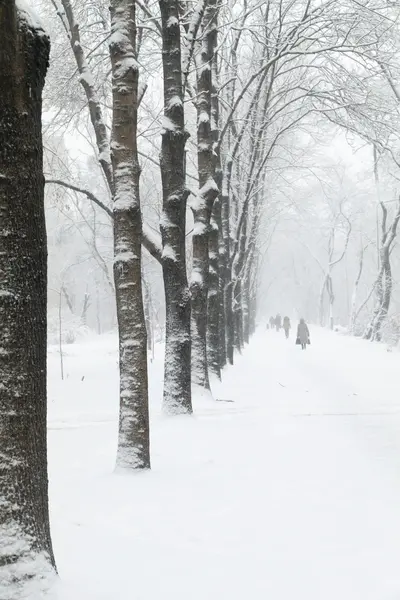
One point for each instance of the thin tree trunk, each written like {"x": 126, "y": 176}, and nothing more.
{"x": 27, "y": 564}
{"x": 238, "y": 314}
{"x": 216, "y": 316}
{"x": 202, "y": 208}
{"x": 230, "y": 324}
{"x": 213, "y": 309}
{"x": 133, "y": 440}
{"x": 246, "y": 309}
{"x": 147, "y": 315}
{"x": 225, "y": 258}
{"x": 177, "y": 366}
{"x": 353, "y": 310}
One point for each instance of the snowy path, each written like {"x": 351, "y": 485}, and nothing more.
{"x": 292, "y": 490}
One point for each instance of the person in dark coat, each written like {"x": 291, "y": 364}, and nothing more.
{"x": 286, "y": 326}
{"x": 303, "y": 334}
{"x": 278, "y": 322}
{"x": 272, "y": 322}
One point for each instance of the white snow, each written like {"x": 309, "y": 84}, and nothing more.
{"x": 288, "y": 487}
{"x": 168, "y": 252}
{"x": 172, "y": 22}
{"x": 29, "y": 14}
{"x": 167, "y": 124}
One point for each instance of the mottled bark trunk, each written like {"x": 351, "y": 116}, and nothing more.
{"x": 26, "y": 556}
{"x": 147, "y": 315}
{"x": 225, "y": 270}
{"x": 353, "y": 310}
{"x": 202, "y": 209}
{"x": 246, "y": 310}
{"x": 216, "y": 317}
{"x": 238, "y": 314}
{"x": 253, "y": 313}
{"x": 213, "y": 333}
{"x": 133, "y": 440}
{"x": 177, "y": 367}
{"x": 384, "y": 294}
{"x": 229, "y": 320}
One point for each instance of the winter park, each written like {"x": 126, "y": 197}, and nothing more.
{"x": 199, "y": 299}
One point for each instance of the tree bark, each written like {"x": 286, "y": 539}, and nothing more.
{"x": 177, "y": 366}
{"x": 230, "y": 322}
{"x": 225, "y": 257}
{"x": 133, "y": 440}
{"x": 214, "y": 302}
{"x": 27, "y": 562}
{"x": 202, "y": 210}
{"x": 216, "y": 317}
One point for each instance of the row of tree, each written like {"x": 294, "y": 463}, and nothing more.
{"x": 240, "y": 85}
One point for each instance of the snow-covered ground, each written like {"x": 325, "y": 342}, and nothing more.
{"x": 290, "y": 490}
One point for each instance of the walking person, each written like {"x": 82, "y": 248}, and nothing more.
{"x": 286, "y": 326}
{"x": 278, "y": 322}
{"x": 271, "y": 322}
{"x": 303, "y": 335}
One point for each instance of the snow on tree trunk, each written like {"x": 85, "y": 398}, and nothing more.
{"x": 133, "y": 440}
{"x": 202, "y": 208}
{"x": 230, "y": 322}
{"x": 384, "y": 281}
{"x": 225, "y": 259}
{"x": 27, "y": 565}
{"x": 213, "y": 308}
{"x": 177, "y": 366}
{"x": 216, "y": 317}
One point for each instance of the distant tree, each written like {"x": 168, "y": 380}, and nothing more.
{"x": 26, "y": 556}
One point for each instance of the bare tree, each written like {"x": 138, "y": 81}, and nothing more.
{"x": 133, "y": 443}
{"x": 177, "y": 367}
{"x": 384, "y": 283}
{"x": 202, "y": 207}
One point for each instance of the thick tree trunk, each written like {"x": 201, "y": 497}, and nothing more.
{"x": 26, "y": 557}
{"x": 177, "y": 367}
{"x": 133, "y": 441}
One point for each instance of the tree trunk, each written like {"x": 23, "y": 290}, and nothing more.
{"x": 133, "y": 440}
{"x": 246, "y": 309}
{"x": 238, "y": 315}
{"x": 384, "y": 294}
{"x": 202, "y": 208}
{"x": 177, "y": 366}
{"x": 225, "y": 258}
{"x": 353, "y": 310}
{"x": 216, "y": 319}
{"x": 26, "y": 558}
{"x": 213, "y": 309}
{"x": 230, "y": 323}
